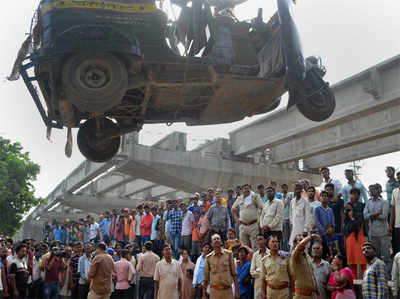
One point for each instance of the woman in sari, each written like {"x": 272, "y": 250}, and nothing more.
{"x": 341, "y": 279}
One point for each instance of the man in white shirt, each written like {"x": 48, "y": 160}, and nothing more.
{"x": 326, "y": 179}
{"x": 394, "y": 226}
{"x": 300, "y": 217}
{"x": 271, "y": 215}
{"x": 187, "y": 219}
{"x": 94, "y": 232}
{"x": 198, "y": 274}
{"x": 37, "y": 281}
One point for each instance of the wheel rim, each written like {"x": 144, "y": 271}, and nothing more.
{"x": 94, "y": 74}
{"x": 319, "y": 99}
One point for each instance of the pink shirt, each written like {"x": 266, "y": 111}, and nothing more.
{"x": 124, "y": 273}
{"x": 332, "y": 281}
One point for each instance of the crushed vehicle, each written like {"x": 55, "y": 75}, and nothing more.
{"x": 109, "y": 66}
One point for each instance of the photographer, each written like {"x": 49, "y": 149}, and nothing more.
{"x": 53, "y": 265}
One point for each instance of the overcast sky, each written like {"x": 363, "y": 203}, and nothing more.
{"x": 350, "y": 36}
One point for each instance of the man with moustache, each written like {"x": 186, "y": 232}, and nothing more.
{"x": 220, "y": 272}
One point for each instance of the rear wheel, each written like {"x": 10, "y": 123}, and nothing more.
{"x": 93, "y": 141}
{"x": 319, "y": 106}
{"x": 94, "y": 82}
{"x": 321, "y": 103}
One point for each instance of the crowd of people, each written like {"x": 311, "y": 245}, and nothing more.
{"x": 317, "y": 241}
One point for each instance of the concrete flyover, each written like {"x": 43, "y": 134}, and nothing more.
{"x": 163, "y": 171}
{"x": 364, "y": 124}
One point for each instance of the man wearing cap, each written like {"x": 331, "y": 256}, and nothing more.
{"x": 249, "y": 205}
{"x": 275, "y": 272}
{"x": 220, "y": 272}
{"x": 302, "y": 270}
{"x": 374, "y": 281}
{"x": 376, "y": 213}
{"x": 271, "y": 215}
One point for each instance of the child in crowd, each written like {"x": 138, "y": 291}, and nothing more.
{"x": 334, "y": 241}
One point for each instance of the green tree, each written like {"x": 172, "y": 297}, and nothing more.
{"x": 17, "y": 173}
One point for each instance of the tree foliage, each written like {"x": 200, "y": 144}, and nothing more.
{"x": 17, "y": 173}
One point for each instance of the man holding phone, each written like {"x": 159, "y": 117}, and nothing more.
{"x": 53, "y": 265}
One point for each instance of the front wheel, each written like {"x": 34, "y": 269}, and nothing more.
{"x": 94, "y": 143}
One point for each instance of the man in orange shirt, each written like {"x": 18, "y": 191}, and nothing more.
{"x": 145, "y": 225}
{"x": 195, "y": 236}
{"x": 128, "y": 225}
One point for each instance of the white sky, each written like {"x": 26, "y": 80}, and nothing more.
{"x": 350, "y": 36}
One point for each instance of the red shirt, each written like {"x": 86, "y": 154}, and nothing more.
{"x": 207, "y": 204}
{"x": 52, "y": 275}
{"x": 145, "y": 225}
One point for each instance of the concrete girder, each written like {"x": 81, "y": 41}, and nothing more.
{"x": 137, "y": 186}
{"x": 160, "y": 191}
{"x": 98, "y": 204}
{"x": 360, "y": 151}
{"x": 382, "y": 122}
{"x": 361, "y": 95}
{"x": 61, "y": 216}
{"x": 191, "y": 172}
{"x": 111, "y": 181}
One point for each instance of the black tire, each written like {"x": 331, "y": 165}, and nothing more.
{"x": 94, "y": 82}
{"x": 90, "y": 144}
{"x": 319, "y": 106}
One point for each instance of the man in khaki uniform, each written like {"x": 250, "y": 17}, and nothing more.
{"x": 220, "y": 272}
{"x": 250, "y": 206}
{"x": 256, "y": 266}
{"x": 302, "y": 271}
{"x": 275, "y": 272}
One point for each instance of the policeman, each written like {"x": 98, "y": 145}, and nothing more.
{"x": 302, "y": 271}
{"x": 220, "y": 272}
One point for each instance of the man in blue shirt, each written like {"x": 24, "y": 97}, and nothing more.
{"x": 83, "y": 269}
{"x": 195, "y": 205}
{"x": 57, "y": 231}
{"x": 175, "y": 216}
{"x": 351, "y": 184}
{"x": 104, "y": 227}
{"x": 323, "y": 215}
{"x": 198, "y": 274}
